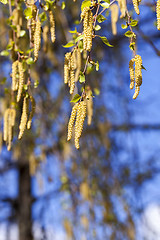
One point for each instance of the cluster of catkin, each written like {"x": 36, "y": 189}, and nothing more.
{"x": 158, "y": 14}
{"x": 72, "y": 67}
{"x": 114, "y": 17}
{"x": 25, "y": 119}
{"x": 17, "y": 78}
{"x": 37, "y": 39}
{"x": 78, "y": 115}
{"x": 87, "y": 17}
{"x": 136, "y": 5}
{"x": 135, "y": 74}
{"x": 9, "y": 122}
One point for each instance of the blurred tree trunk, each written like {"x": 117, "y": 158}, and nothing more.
{"x": 24, "y": 201}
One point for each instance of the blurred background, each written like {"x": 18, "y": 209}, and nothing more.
{"x": 109, "y": 188}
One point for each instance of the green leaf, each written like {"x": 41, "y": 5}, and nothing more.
{"x": 4, "y": 53}
{"x": 96, "y": 91}
{"x": 28, "y": 13}
{"x": 97, "y": 66}
{"x": 85, "y": 3}
{"x": 97, "y": 28}
{"x": 4, "y": 1}
{"x": 43, "y": 17}
{"x": 123, "y": 26}
{"x": 30, "y": 61}
{"x": 69, "y": 44}
{"x": 129, "y": 34}
{"x": 3, "y": 80}
{"x": 22, "y": 33}
{"x": 134, "y": 23}
{"x": 132, "y": 46}
{"x": 107, "y": 1}
{"x": 36, "y": 83}
{"x": 105, "y": 5}
{"x": 105, "y": 41}
{"x": 78, "y": 38}
{"x": 76, "y": 98}
{"x": 81, "y": 77}
{"x": 73, "y": 31}
{"x": 63, "y": 5}
{"x": 101, "y": 18}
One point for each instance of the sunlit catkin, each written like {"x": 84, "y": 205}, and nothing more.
{"x": 37, "y": 39}
{"x": 33, "y": 22}
{"x": 138, "y": 70}
{"x": 87, "y": 17}
{"x": 158, "y": 14}
{"x": 21, "y": 80}
{"x": 24, "y": 118}
{"x": 72, "y": 82}
{"x": 66, "y": 67}
{"x": 136, "y": 93}
{"x": 89, "y": 106}
{"x": 81, "y": 114}
{"x": 131, "y": 70}
{"x": 136, "y": 6}
{"x": 71, "y": 121}
{"x": 33, "y": 107}
{"x": 14, "y": 75}
{"x": 45, "y": 38}
{"x": 5, "y": 128}
{"x": 52, "y": 26}
{"x": 114, "y": 17}
{"x": 123, "y": 7}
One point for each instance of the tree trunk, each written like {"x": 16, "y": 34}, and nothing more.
{"x": 24, "y": 201}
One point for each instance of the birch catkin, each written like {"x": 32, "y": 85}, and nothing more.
{"x": 24, "y": 118}
{"x": 87, "y": 17}
{"x": 136, "y": 6}
{"x": 14, "y": 75}
{"x": 123, "y": 7}
{"x": 71, "y": 121}
{"x": 131, "y": 70}
{"x": 37, "y": 39}
{"x": 158, "y": 14}
{"x": 52, "y": 26}
{"x": 21, "y": 80}
{"x": 114, "y": 17}
{"x": 33, "y": 107}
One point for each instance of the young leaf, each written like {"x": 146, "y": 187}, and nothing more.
{"x": 97, "y": 28}
{"x": 69, "y": 44}
{"x": 129, "y": 34}
{"x": 81, "y": 77}
{"x": 134, "y": 23}
{"x": 105, "y": 40}
{"x": 85, "y": 3}
{"x": 101, "y": 18}
{"x": 63, "y": 5}
{"x": 30, "y": 61}
{"x": 76, "y": 98}
{"x": 78, "y": 38}
{"x": 123, "y": 26}
{"x": 28, "y": 13}
{"x": 4, "y": 53}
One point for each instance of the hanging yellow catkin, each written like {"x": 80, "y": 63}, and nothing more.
{"x": 114, "y": 17}
{"x": 158, "y": 14}
{"x": 87, "y": 17}
{"x": 5, "y": 128}
{"x": 79, "y": 63}
{"x": 45, "y": 38}
{"x": 89, "y": 31}
{"x": 131, "y": 70}
{"x": 136, "y": 6}
{"x": 14, "y": 75}
{"x": 52, "y": 26}
{"x": 37, "y": 39}
{"x": 21, "y": 80}
{"x": 81, "y": 114}
{"x": 138, "y": 75}
{"x": 123, "y": 7}
{"x": 66, "y": 67}
{"x": 33, "y": 107}
{"x": 89, "y": 106}
{"x": 24, "y": 118}
{"x": 33, "y": 21}
{"x": 71, "y": 121}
